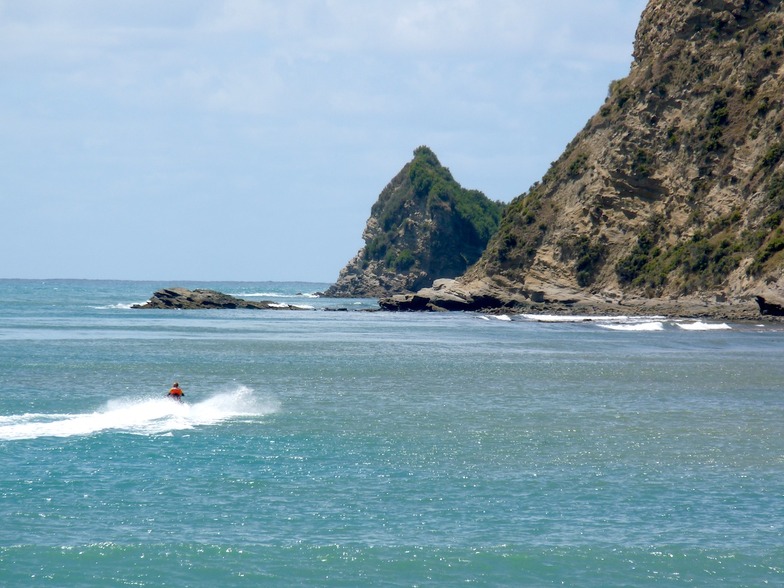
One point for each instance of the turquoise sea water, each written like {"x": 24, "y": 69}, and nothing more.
{"x": 322, "y": 448}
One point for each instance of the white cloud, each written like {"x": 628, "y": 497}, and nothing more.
{"x": 458, "y": 27}
{"x": 307, "y": 102}
{"x": 257, "y": 56}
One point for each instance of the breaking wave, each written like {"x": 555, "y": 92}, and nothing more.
{"x": 645, "y": 326}
{"x": 702, "y": 326}
{"x": 621, "y": 323}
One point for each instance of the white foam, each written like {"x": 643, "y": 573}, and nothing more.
{"x": 700, "y": 326}
{"x": 646, "y": 326}
{"x": 573, "y": 318}
{"x": 146, "y": 416}
{"x": 276, "y": 295}
{"x": 555, "y": 318}
{"x": 261, "y": 295}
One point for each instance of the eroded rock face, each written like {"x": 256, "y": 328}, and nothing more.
{"x": 182, "y": 298}
{"x": 672, "y": 196}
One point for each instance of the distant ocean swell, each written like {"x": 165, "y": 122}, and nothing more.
{"x": 149, "y": 565}
{"x": 382, "y": 449}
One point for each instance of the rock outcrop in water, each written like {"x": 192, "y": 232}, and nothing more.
{"x": 424, "y": 226}
{"x": 182, "y": 298}
{"x": 672, "y": 196}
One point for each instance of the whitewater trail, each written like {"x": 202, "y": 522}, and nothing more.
{"x": 142, "y": 416}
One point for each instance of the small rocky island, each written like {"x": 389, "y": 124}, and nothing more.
{"x": 424, "y": 226}
{"x": 182, "y": 298}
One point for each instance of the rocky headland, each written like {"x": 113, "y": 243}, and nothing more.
{"x": 671, "y": 198}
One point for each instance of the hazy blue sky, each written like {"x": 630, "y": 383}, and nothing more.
{"x": 248, "y": 139}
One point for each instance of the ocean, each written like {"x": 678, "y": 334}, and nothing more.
{"x": 332, "y": 446}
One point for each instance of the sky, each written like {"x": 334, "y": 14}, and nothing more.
{"x": 248, "y": 139}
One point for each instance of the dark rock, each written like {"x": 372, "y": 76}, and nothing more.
{"x": 182, "y": 298}
{"x": 769, "y": 308}
{"x": 451, "y": 295}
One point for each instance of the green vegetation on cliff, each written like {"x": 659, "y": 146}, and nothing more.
{"x": 430, "y": 224}
{"x": 701, "y": 261}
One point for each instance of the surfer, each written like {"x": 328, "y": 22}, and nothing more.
{"x": 176, "y": 392}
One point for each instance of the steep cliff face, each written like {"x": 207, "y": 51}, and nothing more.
{"x": 675, "y": 188}
{"x": 424, "y": 226}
